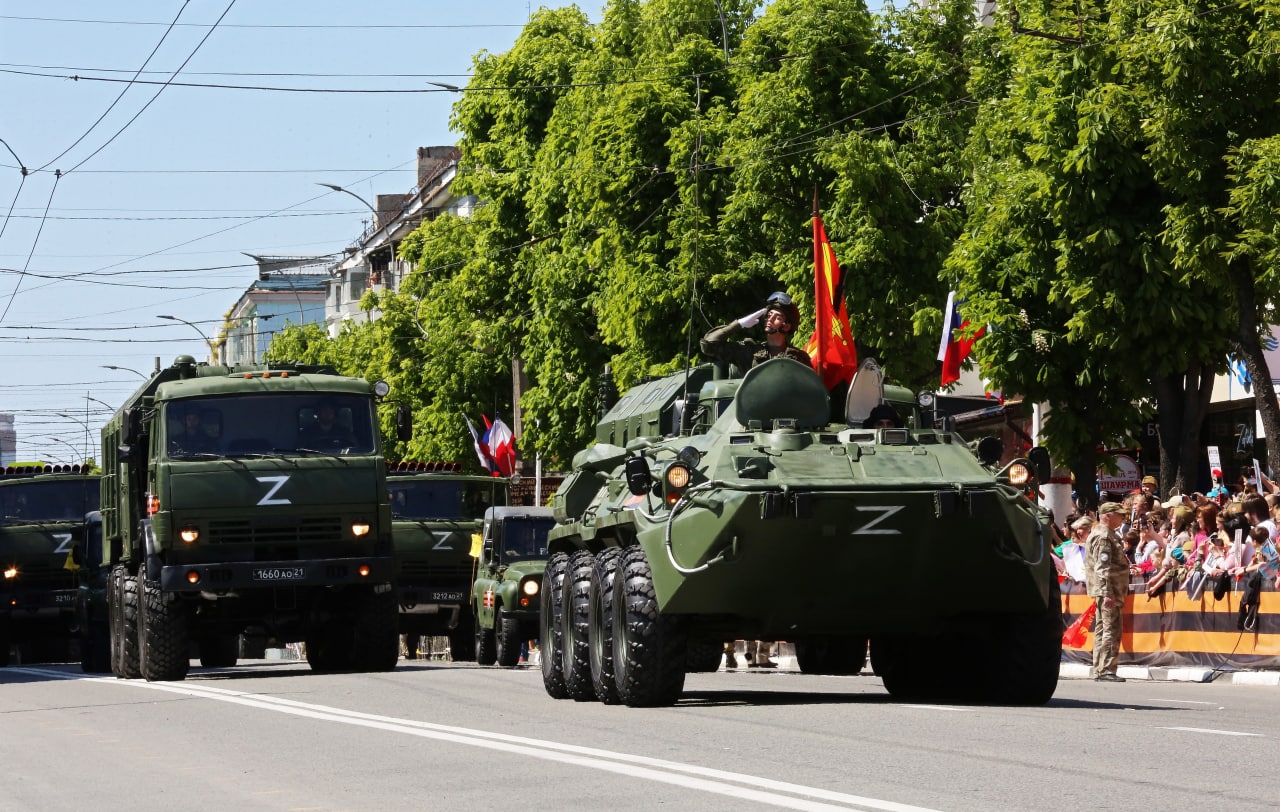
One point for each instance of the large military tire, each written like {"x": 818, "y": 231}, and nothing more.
{"x": 485, "y": 643}
{"x": 550, "y": 623}
{"x": 832, "y": 655}
{"x": 574, "y": 650}
{"x": 649, "y": 648}
{"x": 600, "y": 626}
{"x": 1025, "y": 655}
{"x": 463, "y": 643}
{"x": 115, "y": 623}
{"x": 163, "y": 644}
{"x": 218, "y": 650}
{"x": 508, "y": 639}
{"x": 130, "y": 636}
{"x": 377, "y": 632}
{"x": 95, "y": 647}
{"x": 329, "y": 648}
{"x": 703, "y": 656}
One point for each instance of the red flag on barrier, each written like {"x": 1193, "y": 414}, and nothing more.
{"x": 1074, "y": 636}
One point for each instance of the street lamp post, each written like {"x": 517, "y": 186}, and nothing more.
{"x": 125, "y": 369}
{"x": 213, "y": 348}
{"x": 74, "y": 452}
{"x": 338, "y": 188}
{"x": 85, "y": 425}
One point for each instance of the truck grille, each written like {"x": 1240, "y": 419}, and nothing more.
{"x": 312, "y": 530}
{"x": 46, "y": 575}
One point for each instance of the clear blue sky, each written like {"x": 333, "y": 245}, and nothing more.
{"x": 160, "y": 216}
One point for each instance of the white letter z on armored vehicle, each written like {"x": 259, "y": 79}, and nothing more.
{"x": 247, "y": 500}
{"x": 746, "y": 513}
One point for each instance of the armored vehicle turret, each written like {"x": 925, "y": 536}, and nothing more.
{"x": 744, "y": 512}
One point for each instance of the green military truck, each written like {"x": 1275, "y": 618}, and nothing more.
{"x": 435, "y": 511}
{"x": 247, "y": 500}
{"x": 508, "y": 585}
{"x": 93, "y": 573}
{"x": 42, "y": 513}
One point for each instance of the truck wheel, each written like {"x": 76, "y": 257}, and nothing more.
{"x": 573, "y": 638}
{"x": 648, "y": 647}
{"x": 703, "y": 656}
{"x": 329, "y": 648}
{"x": 163, "y": 645}
{"x": 600, "y": 625}
{"x": 462, "y": 638}
{"x": 550, "y": 623}
{"x": 95, "y": 647}
{"x": 485, "y": 646}
{"x": 377, "y": 637}
{"x": 219, "y": 650}
{"x": 130, "y": 641}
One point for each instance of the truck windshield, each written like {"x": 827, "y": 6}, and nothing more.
{"x": 48, "y": 501}
{"x": 262, "y": 424}
{"x": 525, "y": 537}
{"x": 443, "y": 500}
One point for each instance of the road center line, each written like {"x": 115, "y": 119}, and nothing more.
{"x": 720, "y": 782}
{"x": 1211, "y": 730}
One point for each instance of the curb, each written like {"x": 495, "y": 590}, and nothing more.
{"x": 1163, "y": 674}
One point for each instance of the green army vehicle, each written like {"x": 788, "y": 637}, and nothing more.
{"x": 91, "y": 599}
{"x": 745, "y": 512}
{"x": 435, "y": 511}
{"x": 508, "y": 588}
{"x": 42, "y": 513}
{"x": 247, "y": 500}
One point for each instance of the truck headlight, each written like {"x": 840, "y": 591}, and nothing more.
{"x": 359, "y": 529}
{"x": 10, "y": 573}
{"x": 530, "y": 587}
{"x": 189, "y": 534}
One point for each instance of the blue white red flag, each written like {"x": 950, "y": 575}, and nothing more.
{"x": 502, "y": 445}
{"x": 482, "y": 450}
{"x": 955, "y": 347}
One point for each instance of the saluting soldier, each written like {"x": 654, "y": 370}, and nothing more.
{"x": 1107, "y": 578}
{"x": 781, "y": 318}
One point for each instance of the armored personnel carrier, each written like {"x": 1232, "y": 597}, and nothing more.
{"x": 745, "y": 512}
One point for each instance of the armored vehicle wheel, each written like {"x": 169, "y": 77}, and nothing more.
{"x": 550, "y": 622}
{"x": 218, "y": 650}
{"x": 486, "y": 653}
{"x": 95, "y": 647}
{"x": 163, "y": 644}
{"x": 703, "y": 656}
{"x": 509, "y": 638}
{"x": 600, "y": 625}
{"x": 832, "y": 655}
{"x": 648, "y": 647}
{"x": 376, "y": 643}
{"x": 462, "y": 639}
{"x": 1025, "y": 653}
{"x": 574, "y": 652}
{"x": 129, "y": 639}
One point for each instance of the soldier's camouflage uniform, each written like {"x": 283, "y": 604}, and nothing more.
{"x": 1106, "y": 575}
{"x": 747, "y": 353}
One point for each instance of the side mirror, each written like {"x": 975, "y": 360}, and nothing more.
{"x": 1039, "y": 458}
{"x": 404, "y": 423}
{"x": 126, "y": 427}
{"x": 990, "y": 450}
{"x": 638, "y": 480}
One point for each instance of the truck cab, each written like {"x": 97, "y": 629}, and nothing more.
{"x": 507, "y": 590}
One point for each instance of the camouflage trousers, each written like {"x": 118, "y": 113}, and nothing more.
{"x": 1106, "y": 637}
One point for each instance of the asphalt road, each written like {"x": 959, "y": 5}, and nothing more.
{"x": 270, "y": 735}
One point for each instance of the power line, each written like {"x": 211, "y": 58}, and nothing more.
{"x": 57, "y": 176}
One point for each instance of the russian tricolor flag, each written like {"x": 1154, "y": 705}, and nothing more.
{"x": 955, "y": 347}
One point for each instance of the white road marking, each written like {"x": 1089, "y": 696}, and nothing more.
{"x": 1211, "y": 730}
{"x": 1184, "y": 702}
{"x": 705, "y": 779}
{"x": 939, "y": 708}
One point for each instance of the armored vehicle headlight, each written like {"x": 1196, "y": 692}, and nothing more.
{"x": 189, "y": 534}
{"x": 359, "y": 529}
{"x": 678, "y": 476}
{"x": 530, "y": 587}
{"x": 10, "y": 573}
{"x": 1019, "y": 474}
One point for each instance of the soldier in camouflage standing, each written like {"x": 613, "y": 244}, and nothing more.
{"x": 1107, "y": 578}
{"x": 781, "y": 318}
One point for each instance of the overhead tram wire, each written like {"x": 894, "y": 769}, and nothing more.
{"x": 190, "y": 56}
{"x": 125, "y": 90}
{"x": 23, "y": 169}
{"x": 57, "y": 176}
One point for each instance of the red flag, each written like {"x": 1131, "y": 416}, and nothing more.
{"x": 1074, "y": 636}
{"x": 954, "y": 347}
{"x": 831, "y": 346}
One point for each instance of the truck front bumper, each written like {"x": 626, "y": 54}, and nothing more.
{"x": 240, "y": 575}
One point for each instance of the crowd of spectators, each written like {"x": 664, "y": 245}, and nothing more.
{"x": 1223, "y": 540}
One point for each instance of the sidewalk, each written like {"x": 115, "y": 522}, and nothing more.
{"x": 1164, "y": 674}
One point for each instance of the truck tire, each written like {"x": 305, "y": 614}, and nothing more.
{"x": 574, "y": 651}
{"x": 163, "y": 645}
{"x": 486, "y": 653}
{"x": 377, "y": 637}
{"x": 649, "y": 648}
{"x": 218, "y": 650}
{"x": 329, "y": 647}
{"x": 129, "y": 637}
{"x": 508, "y": 638}
{"x": 703, "y": 656}
{"x": 550, "y": 623}
{"x": 840, "y": 656}
{"x": 462, "y": 639}
{"x": 600, "y": 626}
